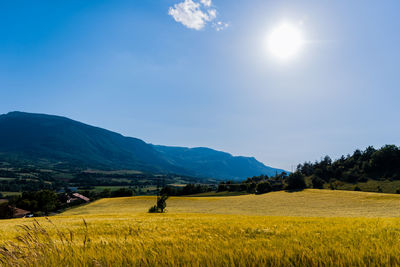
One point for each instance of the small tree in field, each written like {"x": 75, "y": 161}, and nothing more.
{"x": 161, "y": 204}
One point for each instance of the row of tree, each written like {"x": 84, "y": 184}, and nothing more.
{"x": 44, "y": 202}
{"x": 108, "y": 193}
{"x": 376, "y": 164}
{"x": 22, "y": 184}
{"x": 264, "y": 184}
{"x": 371, "y": 163}
{"x": 189, "y": 189}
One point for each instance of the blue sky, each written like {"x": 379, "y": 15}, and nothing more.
{"x": 140, "y": 69}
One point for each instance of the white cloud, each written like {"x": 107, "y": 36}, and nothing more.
{"x": 206, "y": 3}
{"x": 195, "y": 14}
{"x": 220, "y": 26}
{"x": 212, "y": 13}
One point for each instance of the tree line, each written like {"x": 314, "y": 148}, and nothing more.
{"x": 362, "y": 165}
{"x": 45, "y": 202}
{"x": 371, "y": 163}
{"x": 263, "y": 184}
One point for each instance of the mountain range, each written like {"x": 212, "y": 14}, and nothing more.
{"x": 46, "y": 140}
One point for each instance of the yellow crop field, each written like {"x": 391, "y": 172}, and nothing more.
{"x": 309, "y": 228}
{"x": 308, "y": 203}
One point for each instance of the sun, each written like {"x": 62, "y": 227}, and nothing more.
{"x": 285, "y": 41}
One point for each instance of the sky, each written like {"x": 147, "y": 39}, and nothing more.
{"x": 198, "y": 72}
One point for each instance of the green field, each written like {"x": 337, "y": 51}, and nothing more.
{"x": 308, "y": 228}
{"x": 8, "y": 194}
{"x": 385, "y": 186}
{"x": 112, "y": 188}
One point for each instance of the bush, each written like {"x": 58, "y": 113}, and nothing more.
{"x": 263, "y": 187}
{"x": 222, "y": 187}
{"x": 6, "y": 211}
{"x": 38, "y": 214}
{"x": 357, "y": 188}
{"x": 251, "y": 188}
{"x": 122, "y": 192}
{"x": 106, "y": 193}
{"x": 153, "y": 209}
{"x": 296, "y": 181}
{"x": 317, "y": 182}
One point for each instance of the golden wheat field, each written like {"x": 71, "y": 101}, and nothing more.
{"x": 309, "y": 228}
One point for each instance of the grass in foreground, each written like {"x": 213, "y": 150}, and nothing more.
{"x": 118, "y": 232}
{"x": 201, "y": 240}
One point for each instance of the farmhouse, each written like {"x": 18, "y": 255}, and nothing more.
{"x": 77, "y": 196}
{"x": 71, "y": 199}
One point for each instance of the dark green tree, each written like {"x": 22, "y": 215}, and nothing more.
{"x": 296, "y": 181}
{"x": 6, "y": 211}
{"x": 263, "y": 187}
{"x": 161, "y": 204}
{"x": 317, "y": 182}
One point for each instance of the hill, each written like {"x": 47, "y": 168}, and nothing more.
{"x": 42, "y": 138}
{"x": 207, "y": 162}
{"x": 307, "y": 203}
{"x": 53, "y": 141}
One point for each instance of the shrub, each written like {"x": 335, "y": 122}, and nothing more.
{"x": 222, "y": 187}
{"x": 317, "y": 182}
{"x": 263, "y": 187}
{"x": 357, "y": 188}
{"x": 6, "y": 211}
{"x": 296, "y": 181}
{"x": 122, "y": 192}
{"x": 153, "y": 209}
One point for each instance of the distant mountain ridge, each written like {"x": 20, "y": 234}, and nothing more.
{"x": 212, "y": 163}
{"x": 35, "y": 138}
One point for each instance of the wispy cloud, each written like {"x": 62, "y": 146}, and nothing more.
{"x": 195, "y": 14}
{"x": 220, "y": 26}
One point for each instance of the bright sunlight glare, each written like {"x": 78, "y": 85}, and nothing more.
{"x": 285, "y": 41}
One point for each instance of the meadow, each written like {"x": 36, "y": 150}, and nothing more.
{"x": 309, "y": 228}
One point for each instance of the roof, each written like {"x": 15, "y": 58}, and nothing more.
{"x": 20, "y": 212}
{"x": 81, "y": 197}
